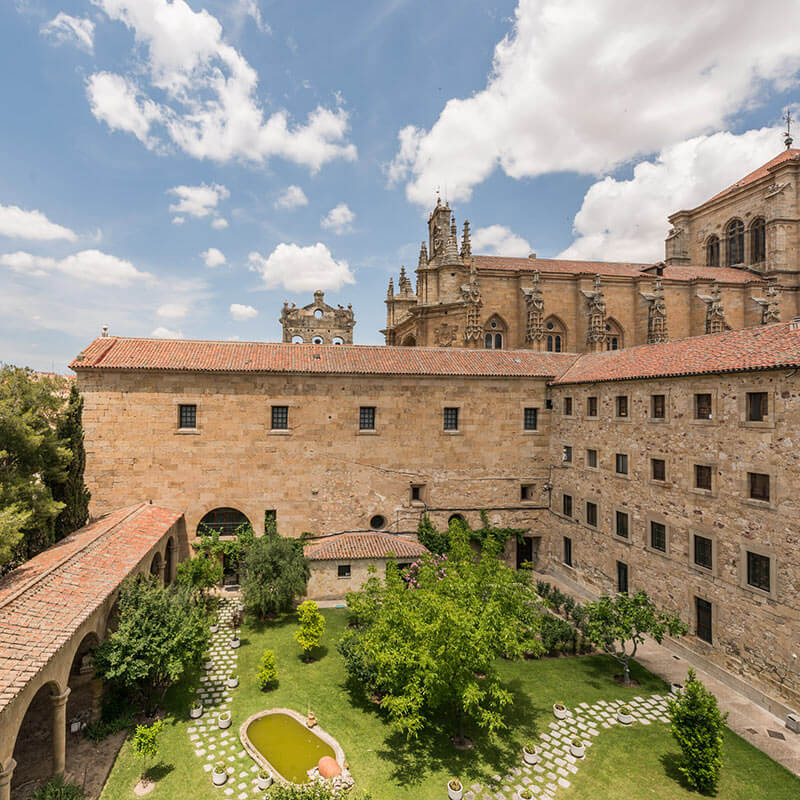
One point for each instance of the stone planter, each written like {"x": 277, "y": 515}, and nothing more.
{"x": 560, "y": 711}
{"x": 224, "y": 720}
{"x": 578, "y": 749}
{"x": 232, "y": 682}
{"x": 218, "y": 778}
{"x": 235, "y": 642}
{"x": 525, "y": 794}
{"x": 214, "y": 628}
{"x": 624, "y": 716}
{"x": 675, "y": 688}
{"x": 531, "y": 757}
{"x": 208, "y": 666}
{"x": 264, "y": 782}
{"x": 455, "y": 793}
{"x": 195, "y": 712}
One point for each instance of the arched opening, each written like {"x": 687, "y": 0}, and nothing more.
{"x": 615, "y": 338}
{"x": 712, "y": 251}
{"x": 316, "y": 340}
{"x": 226, "y": 522}
{"x": 556, "y": 332}
{"x": 169, "y": 562}
{"x": 155, "y": 566}
{"x": 455, "y": 518}
{"x": 378, "y": 522}
{"x": 758, "y": 240}
{"x": 82, "y": 700}
{"x": 297, "y": 339}
{"x": 318, "y": 313}
{"x": 494, "y": 332}
{"x": 33, "y": 749}
{"x": 734, "y": 236}
{"x": 409, "y": 340}
{"x": 338, "y": 340}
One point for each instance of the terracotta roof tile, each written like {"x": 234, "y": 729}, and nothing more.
{"x": 362, "y": 545}
{"x": 199, "y": 356}
{"x": 761, "y": 172}
{"x": 774, "y": 346}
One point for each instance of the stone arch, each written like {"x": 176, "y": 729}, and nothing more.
{"x": 338, "y": 340}
{"x": 555, "y": 332}
{"x": 83, "y": 702}
{"x": 156, "y": 566}
{"x": 297, "y": 339}
{"x": 712, "y": 250}
{"x": 223, "y": 519}
{"x": 169, "y": 561}
{"x": 734, "y": 242}
{"x": 494, "y": 333}
{"x": 615, "y": 335}
{"x": 456, "y": 517}
{"x": 409, "y": 340}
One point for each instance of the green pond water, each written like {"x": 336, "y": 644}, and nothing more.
{"x": 288, "y": 745}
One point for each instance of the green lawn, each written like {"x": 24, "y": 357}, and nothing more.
{"x": 633, "y": 763}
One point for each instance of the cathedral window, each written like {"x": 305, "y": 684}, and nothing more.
{"x": 758, "y": 241}
{"x": 614, "y": 335}
{"x": 735, "y": 241}
{"x": 556, "y": 335}
{"x": 712, "y": 251}
{"x": 493, "y": 333}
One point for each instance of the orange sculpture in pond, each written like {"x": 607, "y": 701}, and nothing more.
{"x": 328, "y": 767}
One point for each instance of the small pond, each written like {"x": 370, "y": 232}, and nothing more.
{"x": 286, "y": 744}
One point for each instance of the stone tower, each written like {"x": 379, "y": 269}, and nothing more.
{"x": 317, "y": 323}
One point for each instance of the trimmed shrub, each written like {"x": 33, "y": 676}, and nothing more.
{"x": 557, "y": 635}
{"x": 58, "y": 789}
{"x": 267, "y": 673}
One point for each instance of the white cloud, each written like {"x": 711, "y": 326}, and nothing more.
{"x": 166, "y": 333}
{"x": 117, "y": 101}
{"x": 92, "y": 266}
{"x": 213, "y": 257}
{"x": 197, "y": 201}
{"x": 220, "y": 223}
{"x": 501, "y": 241}
{"x": 242, "y": 313}
{"x": 64, "y": 28}
{"x": 588, "y": 86}
{"x": 301, "y": 269}
{"x": 172, "y": 310}
{"x": 292, "y": 197}
{"x": 244, "y": 9}
{"x": 339, "y": 219}
{"x": 209, "y": 106}
{"x": 178, "y": 220}
{"x": 16, "y": 223}
{"x": 627, "y": 219}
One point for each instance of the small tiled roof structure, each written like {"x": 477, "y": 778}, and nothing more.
{"x": 765, "y": 347}
{"x": 184, "y": 355}
{"x": 362, "y": 545}
{"x": 44, "y": 601}
{"x": 790, "y": 154}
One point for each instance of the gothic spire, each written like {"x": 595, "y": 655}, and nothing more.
{"x": 390, "y": 290}
{"x": 423, "y": 256}
{"x": 466, "y": 244}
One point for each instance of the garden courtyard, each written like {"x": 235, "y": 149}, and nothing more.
{"x": 638, "y": 761}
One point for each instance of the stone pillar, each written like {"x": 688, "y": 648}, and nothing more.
{"x": 6, "y": 773}
{"x": 97, "y": 699}
{"x": 59, "y": 702}
{"x": 162, "y": 571}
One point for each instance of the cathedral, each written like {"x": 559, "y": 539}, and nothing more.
{"x": 733, "y": 262}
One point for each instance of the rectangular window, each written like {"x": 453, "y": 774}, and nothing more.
{"x": 566, "y": 504}
{"x": 757, "y": 406}
{"x": 566, "y": 455}
{"x": 416, "y": 493}
{"x": 658, "y": 536}
{"x": 622, "y": 405}
{"x": 366, "y": 418}
{"x": 343, "y": 571}
{"x": 451, "y": 419}
{"x": 703, "y": 552}
{"x": 591, "y": 406}
{"x": 622, "y": 577}
{"x": 702, "y": 406}
{"x": 703, "y": 610}
{"x": 591, "y": 513}
{"x": 568, "y": 551}
{"x": 280, "y": 418}
{"x": 621, "y": 524}
{"x": 758, "y": 485}
{"x": 758, "y": 571}
{"x": 527, "y": 491}
{"x": 702, "y": 477}
{"x": 187, "y": 416}
{"x": 567, "y": 406}
{"x": 591, "y": 458}
{"x": 621, "y": 464}
{"x": 659, "y": 469}
{"x": 658, "y": 406}
{"x": 530, "y": 419}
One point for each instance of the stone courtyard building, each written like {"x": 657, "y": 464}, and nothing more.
{"x": 317, "y": 323}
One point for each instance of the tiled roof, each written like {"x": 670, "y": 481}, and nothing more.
{"x": 45, "y": 600}
{"x": 720, "y": 274}
{"x": 187, "y": 355}
{"x": 761, "y": 172}
{"x": 774, "y": 346}
{"x": 365, "y": 544}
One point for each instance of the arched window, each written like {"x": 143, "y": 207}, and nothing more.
{"x": 317, "y": 340}
{"x": 493, "y": 332}
{"x": 338, "y": 340}
{"x": 297, "y": 339}
{"x": 318, "y": 313}
{"x": 615, "y": 338}
{"x": 556, "y": 341}
{"x": 735, "y": 239}
{"x": 712, "y": 251}
{"x": 758, "y": 241}
{"x": 409, "y": 341}
{"x": 224, "y": 521}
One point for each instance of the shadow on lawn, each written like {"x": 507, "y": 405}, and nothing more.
{"x": 159, "y": 771}
{"x": 671, "y": 763}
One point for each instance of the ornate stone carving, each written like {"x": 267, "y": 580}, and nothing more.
{"x": 471, "y": 297}
{"x": 466, "y": 243}
{"x": 770, "y": 309}
{"x": 673, "y": 232}
{"x": 656, "y": 314}
{"x": 715, "y": 313}
{"x": 445, "y": 335}
{"x": 596, "y": 330}
{"x": 319, "y": 321}
{"x": 775, "y": 189}
{"x": 534, "y": 302}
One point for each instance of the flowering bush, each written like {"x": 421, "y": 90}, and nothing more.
{"x": 429, "y": 566}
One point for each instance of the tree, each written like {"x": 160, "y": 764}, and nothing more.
{"x": 161, "y": 634}
{"x": 275, "y": 573}
{"x": 72, "y": 492}
{"x": 199, "y": 574}
{"x": 267, "y": 671}
{"x": 619, "y": 625}
{"x": 428, "y": 638}
{"x": 145, "y": 742}
{"x": 312, "y": 626}
{"x": 698, "y": 726}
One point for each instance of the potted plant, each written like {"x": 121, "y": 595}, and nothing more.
{"x": 455, "y": 791}
{"x": 196, "y": 711}
{"x": 220, "y": 774}
{"x": 233, "y": 681}
{"x": 675, "y": 688}
{"x": 524, "y": 794}
{"x": 235, "y": 641}
{"x": 577, "y": 748}
{"x": 624, "y": 715}
{"x": 224, "y": 719}
{"x": 530, "y": 753}
{"x": 208, "y": 665}
{"x": 560, "y": 710}
{"x": 214, "y": 628}
{"x": 264, "y": 779}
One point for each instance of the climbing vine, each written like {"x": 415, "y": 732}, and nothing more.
{"x": 439, "y": 541}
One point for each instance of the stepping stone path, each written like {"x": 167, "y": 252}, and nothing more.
{"x": 210, "y": 743}
{"x": 558, "y": 766}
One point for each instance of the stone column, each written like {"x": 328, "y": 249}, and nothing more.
{"x": 59, "y": 702}
{"x": 162, "y": 571}
{"x": 6, "y": 773}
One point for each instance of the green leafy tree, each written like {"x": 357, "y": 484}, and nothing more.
{"x": 428, "y": 638}
{"x": 72, "y": 492}
{"x": 431, "y": 537}
{"x": 267, "y": 673}
{"x": 619, "y": 625}
{"x": 312, "y": 626}
{"x": 199, "y": 574}
{"x": 161, "y": 634}
{"x": 698, "y": 726}
{"x": 146, "y": 741}
{"x": 275, "y": 572}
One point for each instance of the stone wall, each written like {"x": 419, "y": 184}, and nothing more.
{"x": 755, "y": 633}
{"x": 325, "y": 583}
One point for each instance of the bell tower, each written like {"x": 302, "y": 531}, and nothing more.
{"x": 438, "y": 229}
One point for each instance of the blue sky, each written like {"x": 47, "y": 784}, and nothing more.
{"x": 143, "y": 141}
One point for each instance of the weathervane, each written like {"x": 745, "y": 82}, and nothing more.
{"x": 787, "y": 140}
